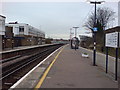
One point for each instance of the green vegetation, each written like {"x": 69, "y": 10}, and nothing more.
{"x": 111, "y": 51}
{"x": 85, "y": 53}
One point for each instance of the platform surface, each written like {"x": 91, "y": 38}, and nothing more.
{"x": 6, "y": 50}
{"x": 71, "y": 70}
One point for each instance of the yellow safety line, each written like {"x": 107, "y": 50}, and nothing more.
{"x": 47, "y": 70}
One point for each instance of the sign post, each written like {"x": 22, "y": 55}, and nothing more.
{"x": 116, "y": 64}
{"x": 112, "y": 40}
{"x": 106, "y": 59}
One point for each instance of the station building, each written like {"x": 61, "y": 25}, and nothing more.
{"x": 21, "y": 34}
{"x": 2, "y": 30}
{"x": 2, "y": 25}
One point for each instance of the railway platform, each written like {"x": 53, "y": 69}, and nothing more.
{"x": 66, "y": 68}
{"x": 21, "y": 48}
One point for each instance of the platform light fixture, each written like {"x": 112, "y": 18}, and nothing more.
{"x": 75, "y": 30}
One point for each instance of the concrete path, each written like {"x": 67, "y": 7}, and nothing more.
{"x": 71, "y": 70}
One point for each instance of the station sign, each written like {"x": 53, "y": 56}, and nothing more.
{"x": 95, "y": 29}
{"x": 112, "y": 40}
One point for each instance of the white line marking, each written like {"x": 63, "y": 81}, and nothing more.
{"x": 19, "y": 81}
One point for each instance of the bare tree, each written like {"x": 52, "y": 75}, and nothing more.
{"x": 103, "y": 16}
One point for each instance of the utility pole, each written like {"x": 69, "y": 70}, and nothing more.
{"x": 76, "y": 30}
{"x": 94, "y": 32}
{"x": 70, "y": 33}
{"x": 71, "y": 37}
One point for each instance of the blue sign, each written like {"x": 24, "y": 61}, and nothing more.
{"x": 95, "y": 29}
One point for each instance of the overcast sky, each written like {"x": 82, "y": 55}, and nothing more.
{"x": 54, "y": 18}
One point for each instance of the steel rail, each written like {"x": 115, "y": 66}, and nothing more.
{"x": 31, "y": 59}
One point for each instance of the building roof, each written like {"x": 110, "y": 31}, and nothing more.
{"x": 2, "y": 16}
{"x": 114, "y": 29}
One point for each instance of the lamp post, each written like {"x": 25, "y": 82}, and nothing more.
{"x": 75, "y": 37}
{"x": 76, "y": 30}
{"x": 70, "y": 34}
{"x": 94, "y": 31}
{"x": 70, "y": 37}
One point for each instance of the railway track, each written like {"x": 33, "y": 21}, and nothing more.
{"x": 13, "y": 72}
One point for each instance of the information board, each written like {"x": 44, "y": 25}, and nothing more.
{"x": 112, "y": 40}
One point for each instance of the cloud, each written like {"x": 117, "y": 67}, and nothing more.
{"x": 55, "y": 0}
{"x": 59, "y": 36}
